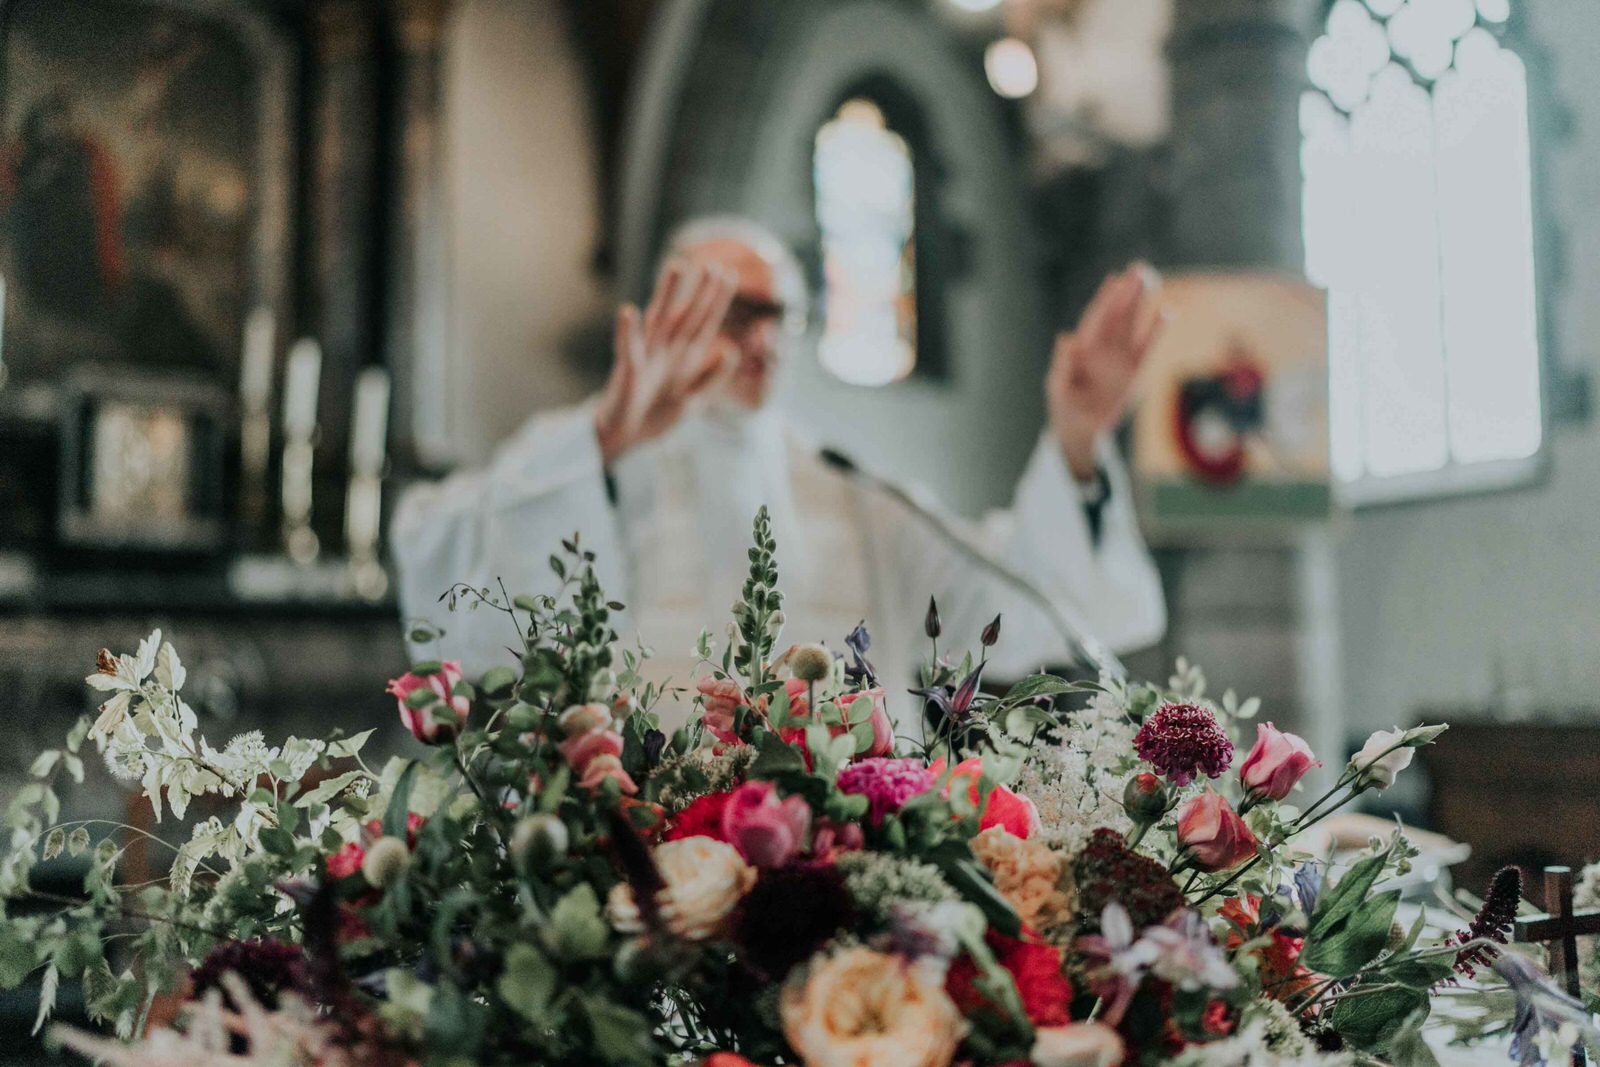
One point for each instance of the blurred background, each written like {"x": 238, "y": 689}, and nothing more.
{"x": 265, "y": 263}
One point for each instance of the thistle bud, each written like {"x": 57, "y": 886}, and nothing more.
{"x": 539, "y": 839}
{"x": 991, "y": 633}
{"x": 930, "y": 622}
{"x": 811, "y": 663}
{"x": 1146, "y": 798}
{"x": 386, "y": 862}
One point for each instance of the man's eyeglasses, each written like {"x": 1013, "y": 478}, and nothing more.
{"x": 745, "y": 314}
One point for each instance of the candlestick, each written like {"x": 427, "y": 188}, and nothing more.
{"x": 300, "y": 389}
{"x": 363, "y": 511}
{"x": 299, "y": 432}
{"x": 255, "y": 401}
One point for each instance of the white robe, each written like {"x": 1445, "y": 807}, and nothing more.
{"x": 672, "y": 546}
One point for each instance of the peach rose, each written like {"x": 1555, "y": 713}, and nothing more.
{"x": 1076, "y": 1045}
{"x": 1028, "y": 874}
{"x": 705, "y": 879}
{"x": 860, "y": 1008}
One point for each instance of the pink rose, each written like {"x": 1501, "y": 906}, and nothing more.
{"x": 768, "y": 832}
{"x": 606, "y": 766}
{"x": 1276, "y": 763}
{"x": 420, "y": 721}
{"x": 882, "y": 728}
{"x": 1213, "y": 833}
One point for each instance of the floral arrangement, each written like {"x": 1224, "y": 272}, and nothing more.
{"x": 1059, "y": 875}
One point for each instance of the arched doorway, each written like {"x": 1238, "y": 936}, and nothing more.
{"x": 727, "y": 106}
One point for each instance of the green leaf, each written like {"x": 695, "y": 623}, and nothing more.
{"x": 18, "y": 958}
{"x": 1367, "y": 1019}
{"x": 328, "y": 789}
{"x": 580, "y": 932}
{"x": 498, "y": 681}
{"x": 418, "y": 699}
{"x": 394, "y": 817}
{"x": 774, "y": 756}
{"x": 1342, "y": 949}
{"x": 1038, "y": 685}
{"x": 527, "y": 983}
{"x": 971, "y": 882}
{"x": 1342, "y": 899}
{"x": 1421, "y": 974}
{"x": 277, "y": 841}
{"x": 621, "y": 1035}
{"x": 349, "y": 746}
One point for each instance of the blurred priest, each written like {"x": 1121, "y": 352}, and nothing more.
{"x": 663, "y": 472}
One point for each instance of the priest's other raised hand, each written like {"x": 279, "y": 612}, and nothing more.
{"x": 665, "y": 357}
{"x": 1092, "y": 371}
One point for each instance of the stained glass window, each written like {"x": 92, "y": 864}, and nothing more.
{"x": 866, "y": 211}
{"x": 1419, "y": 222}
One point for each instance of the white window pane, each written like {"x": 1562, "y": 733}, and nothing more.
{"x": 1398, "y": 288}
{"x": 1486, "y": 255}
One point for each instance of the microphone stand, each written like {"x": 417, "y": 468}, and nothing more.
{"x": 1072, "y": 632}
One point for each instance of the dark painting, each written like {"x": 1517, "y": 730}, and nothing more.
{"x": 129, "y": 187}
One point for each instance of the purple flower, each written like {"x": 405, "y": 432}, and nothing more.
{"x": 1183, "y": 741}
{"x": 1180, "y": 951}
{"x": 888, "y": 784}
{"x": 1540, "y": 1007}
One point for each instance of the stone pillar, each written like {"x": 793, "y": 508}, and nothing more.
{"x": 418, "y": 247}
{"x": 1238, "y": 67}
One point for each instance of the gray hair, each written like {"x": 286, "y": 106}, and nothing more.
{"x": 789, "y": 277}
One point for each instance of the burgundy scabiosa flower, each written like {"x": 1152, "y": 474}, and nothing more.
{"x": 1494, "y": 922}
{"x": 267, "y": 966}
{"x": 790, "y": 913}
{"x": 886, "y": 783}
{"x": 1183, "y": 741}
{"x": 1108, "y": 870}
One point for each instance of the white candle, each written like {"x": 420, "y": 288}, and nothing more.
{"x": 300, "y": 389}
{"x": 369, "y": 430}
{"x": 255, "y": 362}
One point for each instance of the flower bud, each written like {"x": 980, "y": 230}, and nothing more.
{"x": 1385, "y": 755}
{"x": 991, "y": 633}
{"x": 580, "y": 719}
{"x": 386, "y": 862}
{"x": 1146, "y": 798}
{"x": 930, "y": 622}
{"x": 539, "y": 839}
{"x": 811, "y": 663}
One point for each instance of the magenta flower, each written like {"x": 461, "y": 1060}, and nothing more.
{"x": 1183, "y": 741}
{"x": 888, "y": 784}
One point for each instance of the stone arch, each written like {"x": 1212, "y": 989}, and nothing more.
{"x": 726, "y": 108}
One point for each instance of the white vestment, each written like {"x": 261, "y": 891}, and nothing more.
{"x": 671, "y": 535}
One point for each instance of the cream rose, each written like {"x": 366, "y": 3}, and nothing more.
{"x": 704, "y": 880}
{"x": 860, "y": 1008}
{"x": 1030, "y": 875}
{"x": 1076, "y": 1045}
{"x": 1384, "y": 756}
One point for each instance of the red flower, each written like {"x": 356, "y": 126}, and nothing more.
{"x": 1281, "y": 974}
{"x": 440, "y": 684}
{"x": 702, "y": 818}
{"x": 1217, "y": 1020}
{"x": 347, "y": 861}
{"x": 1183, "y": 740}
{"x": 1012, "y": 813}
{"x": 1035, "y": 968}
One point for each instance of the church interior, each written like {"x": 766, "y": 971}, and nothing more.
{"x": 269, "y": 263}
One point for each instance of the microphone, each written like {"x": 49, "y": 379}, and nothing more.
{"x": 1071, "y": 631}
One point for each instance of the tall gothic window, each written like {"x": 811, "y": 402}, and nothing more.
{"x": 866, "y": 210}
{"x": 1419, "y": 222}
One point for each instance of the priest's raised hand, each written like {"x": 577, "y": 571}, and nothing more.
{"x": 1092, "y": 371}
{"x": 665, "y": 357}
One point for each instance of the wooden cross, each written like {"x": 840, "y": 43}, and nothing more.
{"x": 1561, "y": 926}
